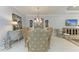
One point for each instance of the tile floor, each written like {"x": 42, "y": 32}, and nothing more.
{"x": 57, "y": 45}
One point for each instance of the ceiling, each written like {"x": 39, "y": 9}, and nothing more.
{"x": 45, "y": 10}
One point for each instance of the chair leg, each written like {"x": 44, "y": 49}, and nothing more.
{"x": 26, "y": 43}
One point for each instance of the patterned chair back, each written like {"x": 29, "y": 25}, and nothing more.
{"x": 38, "y": 40}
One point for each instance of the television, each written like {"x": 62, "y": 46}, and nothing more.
{"x": 71, "y": 22}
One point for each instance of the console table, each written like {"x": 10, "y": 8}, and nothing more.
{"x": 71, "y": 31}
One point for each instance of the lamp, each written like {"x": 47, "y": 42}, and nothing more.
{"x": 14, "y": 23}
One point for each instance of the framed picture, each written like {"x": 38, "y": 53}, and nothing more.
{"x": 71, "y": 22}
{"x": 46, "y": 23}
{"x": 31, "y": 23}
{"x": 17, "y": 19}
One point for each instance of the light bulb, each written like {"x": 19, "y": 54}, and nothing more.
{"x": 35, "y": 21}
{"x": 14, "y": 23}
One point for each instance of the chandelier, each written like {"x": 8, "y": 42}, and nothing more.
{"x": 38, "y": 19}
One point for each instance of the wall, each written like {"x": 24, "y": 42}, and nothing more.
{"x": 57, "y": 21}
{"x": 31, "y": 17}
{"x": 5, "y": 20}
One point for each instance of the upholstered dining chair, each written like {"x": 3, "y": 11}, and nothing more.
{"x": 50, "y": 30}
{"x": 38, "y": 40}
{"x": 25, "y": 31}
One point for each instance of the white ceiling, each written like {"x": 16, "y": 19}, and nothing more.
{"x": 45, "y": 10}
